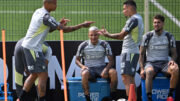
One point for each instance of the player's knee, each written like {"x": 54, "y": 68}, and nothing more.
{"x": 113, "y": 72}
{"x": 43, "y": 78}
{"x": 125, "y": 78}
{"x": 34, "y": 75}
{"x": 175, "y": 69}
{"x": 85, "y": 73}
{"x": 149, "y": 72}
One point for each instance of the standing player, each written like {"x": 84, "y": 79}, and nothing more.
{"x": 131, "y": 35}
{"x": 21, "y": 66}
{"x": 157, "y": 45}
{"x": 41, "y": 24}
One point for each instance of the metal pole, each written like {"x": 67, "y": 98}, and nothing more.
{"x": 146, "y": 16}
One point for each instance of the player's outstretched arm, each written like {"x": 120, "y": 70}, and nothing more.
{"x": 54, "y": 25}
{"x": 67, "y": 29}
{"x": 119, "y": 36}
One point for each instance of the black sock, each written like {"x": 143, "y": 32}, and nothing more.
{"x": 88, "y": 97}
{"x": 23, "y": 95}
{"x": 114, "y": 95}
{"x": 42, "y": 98}
{"x": 170, "y": 92}
{"x": 149, "y": 96}
{"x": 126, "y": 97}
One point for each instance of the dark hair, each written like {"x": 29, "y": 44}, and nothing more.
{"x": 161, "y": 17}
{"x": 130, "y": 2}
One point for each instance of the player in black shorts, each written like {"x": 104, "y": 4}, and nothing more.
{"x": 21, "y": 70}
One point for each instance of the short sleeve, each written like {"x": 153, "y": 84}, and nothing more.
{"x": 48, "y": 54}
{"x": 143, "y": 43}
{"x": 47, "y": 51}
{"x": 173, "y": 41}
{"x": 131, "y": 24}
{"x": 108, "y": 49}
{"x": 81, "y": 49}
{"x": 50, "y": 21}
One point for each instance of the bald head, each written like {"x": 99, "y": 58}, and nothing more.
{"x": 47, "y": 0}
{"x": 93, "y": 35}
{"x": 50, "y": 5}
{"x": 93, "y": 28}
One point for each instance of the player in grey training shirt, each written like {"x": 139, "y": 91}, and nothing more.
{"x": 157, "y": 45}
{"x": 93, "y": 51}
{"x": 131, "y": 35}
{"x": 41, "y": 24}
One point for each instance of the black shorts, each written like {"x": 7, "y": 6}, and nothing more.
{"x": 20, "y": 66}
{"x": 95, "y": 72}
{"x": 129, "y": 63}
{"x": 35, "y": 61}
{"x": 158, "y": 66}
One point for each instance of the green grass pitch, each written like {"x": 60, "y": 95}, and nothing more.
{"x": 15, "y": 16}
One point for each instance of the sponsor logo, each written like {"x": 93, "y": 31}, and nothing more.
{"x": 160, "y": 93}
{"x": 31, "y": 67}
{"x": 94, "y": 96}
{"x": 44, "y": 67}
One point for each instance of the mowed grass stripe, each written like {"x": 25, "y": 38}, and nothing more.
{"x": 107, "y": 13}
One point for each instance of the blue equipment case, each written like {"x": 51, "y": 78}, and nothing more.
{"x": 98, "y": 89}
{"x": 160, "y": 88}
{"x": 2, "y": 95}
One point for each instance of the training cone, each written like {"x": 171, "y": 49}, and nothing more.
{"x": 132, "y": 94}
{"x": 170, "y": 99}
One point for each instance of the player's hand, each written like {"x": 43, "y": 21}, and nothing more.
{"x": 103, "y": 32}
{"x": 173, "y": 65}
{"x": 142, "y": 74}
{"x": 84, "y": 67}
{"x": 104, "y": 73}
{"x": 64, "y": 21}
{"x": 87, "y": 23}
{"x": 171, "y": 62}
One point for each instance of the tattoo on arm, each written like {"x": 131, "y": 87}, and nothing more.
{"x": 119, "y": 36}
{"x": 173, "y": 53}
{"x": 111, "y": 61}
{"x": 142, "y": 56}
{"x": 78, "y": 61}
{"x": 67, "y": 29}
{"x": 115, "y": 36}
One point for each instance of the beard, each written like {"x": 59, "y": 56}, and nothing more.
{"x": 158, "y": 30}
